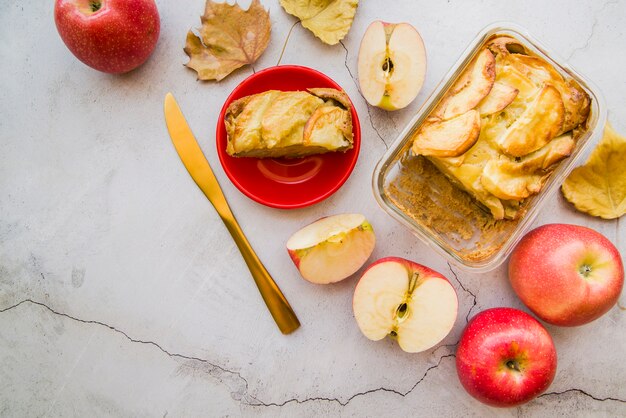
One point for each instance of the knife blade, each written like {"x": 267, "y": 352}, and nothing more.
{"x": 198, "y": 167}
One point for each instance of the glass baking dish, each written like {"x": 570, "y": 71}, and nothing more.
{"x": 461, "y": 231}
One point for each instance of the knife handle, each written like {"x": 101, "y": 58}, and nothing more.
{"x": 276, "y": 302}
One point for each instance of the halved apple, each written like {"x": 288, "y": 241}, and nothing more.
{"x": 540, "y": 122}
{"x": 449, "y": 138}
{"x": 332, "y": 248}
{"x": 472, "y": 87}
{"x": 407, "y": 301}
{"x": 500, "y": 96}
{"x": 391, "y": 64}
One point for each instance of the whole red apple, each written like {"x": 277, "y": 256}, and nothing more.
{"x": 112, "y": 36}
{"x": 567, "y": 275}
{"x": 505, "y": 357}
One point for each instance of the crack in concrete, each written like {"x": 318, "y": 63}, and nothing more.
{"x": 112, "y": 328}
{"x": 244, "y": 397}
{"x": 582, "y": 392}
{"x": 345, "y": 63}
{"x": 593, "y": 29}
{"x": 369, "y": 112}
{"x": 466, "y": 290}
{"x": 250, "y": 400}
{"x": 356, "y": 395}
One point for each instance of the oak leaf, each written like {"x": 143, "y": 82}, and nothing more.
{"x": 230, "y": 38}
{"x": 599, "y": 186}
{"x": 329, "y": 20}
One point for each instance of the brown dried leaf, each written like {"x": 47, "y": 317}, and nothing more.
{"x": 230, "y": 38}
{"x": 599, "y": 187}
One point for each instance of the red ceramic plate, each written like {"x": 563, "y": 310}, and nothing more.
{"x": 287, "y": 183}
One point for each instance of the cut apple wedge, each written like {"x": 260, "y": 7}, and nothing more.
{"x": 407, "y": 301}
{"x": 541, "y": 121}
{"x": 449, "y": 138}
{"x": 472, "y": 88}
{"x": 332, "y": 248}
{"x": 391, "y": 64}
{"x": 500, "y": 96}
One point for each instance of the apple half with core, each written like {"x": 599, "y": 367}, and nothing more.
{"x": 568, "y": 275}
{"x": 391, "y": 64}
{"x": 407, "y": 301}
{"x": 332, "y": 248}
{"x": 112, "y": 36}
{"x": 505, "y": 357}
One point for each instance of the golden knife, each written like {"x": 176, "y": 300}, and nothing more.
{"x": 197, "y": 165}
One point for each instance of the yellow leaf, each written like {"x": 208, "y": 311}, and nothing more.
{"x": 329, "y": 20}
{"x": 599, "y": 187}
{"x": 230, "y": 37}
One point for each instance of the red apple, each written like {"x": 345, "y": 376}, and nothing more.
{"x": 505, "y": 357}
{"x": 404, "y": 300}
{"x": 567, "y": 275}
{"x": 112, "y": 36}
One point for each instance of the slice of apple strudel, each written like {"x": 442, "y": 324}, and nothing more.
{"x": 289, "y": 124}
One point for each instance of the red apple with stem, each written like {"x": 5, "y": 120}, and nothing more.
{"x": 112, "y": 36}
{"x": 505, "y": 357}
{"x": 567, "y": 275}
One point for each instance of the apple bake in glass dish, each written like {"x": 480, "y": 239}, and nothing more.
{"x": 499, "y": 135}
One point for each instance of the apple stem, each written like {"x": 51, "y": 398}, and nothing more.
{"x": 413, "y": 282}
{"x": 513, "y": 365}
{"x": 95, "y": 5}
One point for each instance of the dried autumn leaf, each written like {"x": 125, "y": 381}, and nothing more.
{"x": 329, "y": 20}
{"x": 599, "y": 187}
{"x": 230, "y": 37}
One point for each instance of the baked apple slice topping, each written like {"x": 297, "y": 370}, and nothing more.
{"x": 536, "y": 126}
{"x": 472, "y": 87}
{"x": 500, "y": 96}
{"x": 448, "y": 138}
{"x": 523, "y": 177}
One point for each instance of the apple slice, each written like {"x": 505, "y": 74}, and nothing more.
{"x": 517, "y": 179}
{"x": 407, "y": 301}
{"x": 391, "y": 64}
{"x": 499, "y": 178}
{"x": 449, "y": 138}
{"x": 472, "y": 87}
{"x": 332, "y": 248}
{"x": 534, "y": 128}
{"x": 500, "y": 96}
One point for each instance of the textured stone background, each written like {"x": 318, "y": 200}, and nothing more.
{"x": 122, "y": 294}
